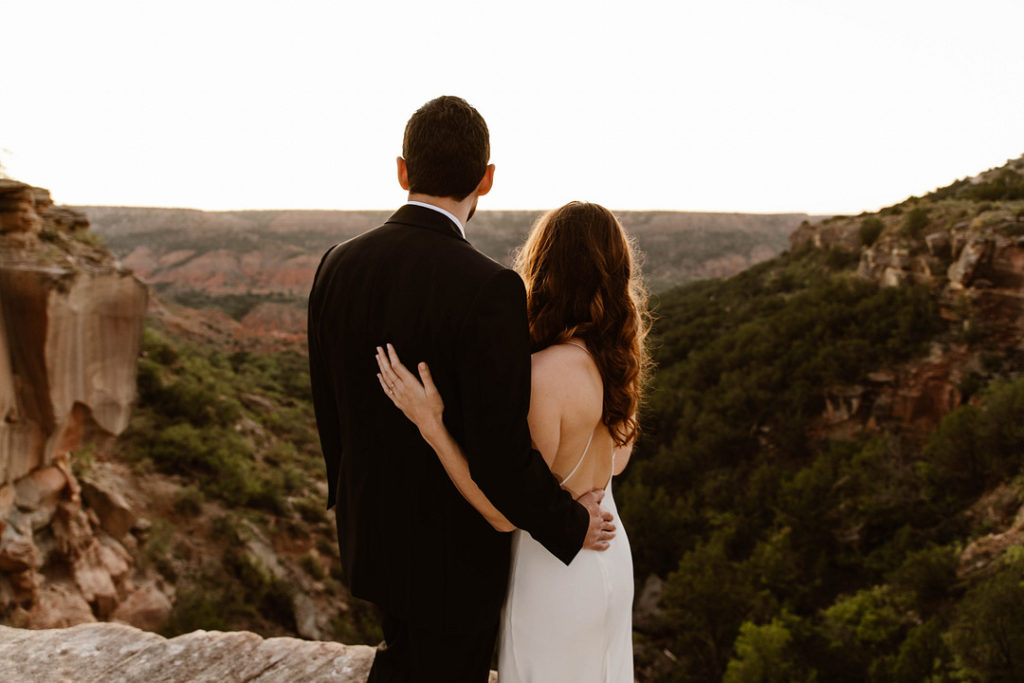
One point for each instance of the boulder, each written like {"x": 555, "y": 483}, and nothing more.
{"x": 39, "y": 493}
{"x": 103, "y": 495}
{"x": 115, "y": 653}
{"x": 147, "y": 608}
{"x": 647, "y": 613}
{"x": 310, "y": 621}
{"x": 59, "y": 605}
{"x": 17, "y": 551}
{"x": 972, "y": 257}
{"x": 94, "y": 580}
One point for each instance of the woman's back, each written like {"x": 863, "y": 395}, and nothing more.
{"x": 570, "y": 623}
{"x": 566, "y": 402}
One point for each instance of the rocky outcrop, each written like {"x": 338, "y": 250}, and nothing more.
{"x": 825, "y": 235}
{"x": 1000, "y": 509}
{"x": 114, "y": 652}
{"x": 71, "y": 322}
{"x": 70, "y": 330}
{"x": 971, "y": 255}
{"x": 915, "y": 396}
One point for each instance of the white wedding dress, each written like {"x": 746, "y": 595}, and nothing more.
{"x": 566, "y": 624}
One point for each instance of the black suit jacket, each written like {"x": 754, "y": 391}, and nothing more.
{"x": 409, "y": 541}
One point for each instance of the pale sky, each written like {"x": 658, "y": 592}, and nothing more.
{"x": 718, "y": 105}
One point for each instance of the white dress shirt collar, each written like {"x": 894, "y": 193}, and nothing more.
{"x": 440, "y": 210}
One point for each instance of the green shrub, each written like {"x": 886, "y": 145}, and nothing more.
{"x": 927, "y": 573}
{"x": 311, "y": 563}
{"x": 862, "y": 628}
{"x": 916, "y": 221}
{"x": 976, "y": 446}
{"x": 189, "y": 502}
{"x": 310, "y": 510}
{"x": 762, "y": 655}
{"x": 197, "y": 608}
{"x": 987, "y": 636}
{"x": 923, "y": 655}
{"x": 870, "y": 229}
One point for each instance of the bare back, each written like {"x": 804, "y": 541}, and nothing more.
{"x": 566, "y": 403}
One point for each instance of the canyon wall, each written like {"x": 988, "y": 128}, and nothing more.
{"x": 71, "y": 320}
{"x": 971, "y": 255}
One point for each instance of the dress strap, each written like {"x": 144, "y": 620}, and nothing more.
{"x": 569, "y": 476}
{"x": 580, "y": 346}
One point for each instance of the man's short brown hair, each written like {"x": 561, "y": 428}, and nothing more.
{"x": 446, "y": 148}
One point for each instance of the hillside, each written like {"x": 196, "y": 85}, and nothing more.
{"x": 829, "y": 486}
{"x": 235, "y": 260}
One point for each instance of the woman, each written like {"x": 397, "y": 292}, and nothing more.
{"x": 588, "y": 321}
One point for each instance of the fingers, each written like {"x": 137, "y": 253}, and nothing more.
{"x": 384, "y": 363}
{"x": 426, "y": 378}
{"x": 396, "y": 364}
{"x": 385, "y": 387}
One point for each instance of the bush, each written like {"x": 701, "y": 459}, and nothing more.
{"x": 190, "y": 501}
{"x": 976, "y": 446}
{"x": 916, "y": 221}
{"x": 927, "y": 573}
{"x": 987, "y": 637}
{"x": 870, "y": 229}
{"x": 923, "y": 655}
{"x": 764, "y": 655}
{"x": 863, "y": 627}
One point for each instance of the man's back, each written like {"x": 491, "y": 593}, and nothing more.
{"x": 409, "y": 541}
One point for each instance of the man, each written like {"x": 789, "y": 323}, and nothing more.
{"x": 409, "y": 542}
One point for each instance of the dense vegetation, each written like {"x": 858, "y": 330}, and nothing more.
{"x": 791, "y": 558}
{"x": 235, "y": 433}
{"x": 1002, "y": 184}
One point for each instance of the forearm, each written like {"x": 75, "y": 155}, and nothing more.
{"x": 454, "y": 463}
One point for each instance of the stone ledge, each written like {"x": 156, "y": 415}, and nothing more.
{"x": 115, "y": 653}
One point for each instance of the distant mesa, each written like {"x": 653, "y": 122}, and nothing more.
{"x": 237, "y": 261}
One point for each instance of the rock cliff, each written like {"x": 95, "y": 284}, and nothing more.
{"x": 966, "y": 243}
{"x": 114, "y": 652}
{"x": 71, "y": 321}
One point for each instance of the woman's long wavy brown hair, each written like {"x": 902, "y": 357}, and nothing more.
{"x": 583, "y": 281}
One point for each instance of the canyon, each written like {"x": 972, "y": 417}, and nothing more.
{"x": 94, "y": 343}
{"x": 256, "y": 267}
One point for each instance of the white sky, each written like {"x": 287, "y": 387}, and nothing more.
{"x": 722, "y": 105}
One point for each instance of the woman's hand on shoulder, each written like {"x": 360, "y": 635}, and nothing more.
{"x": 418, "y": 399}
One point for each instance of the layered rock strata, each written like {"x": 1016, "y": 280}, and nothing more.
{"x": 71, "y": 322}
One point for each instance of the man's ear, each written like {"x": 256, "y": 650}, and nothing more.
{"x": 486, "y": 182}
{"x": 403, "y": 174}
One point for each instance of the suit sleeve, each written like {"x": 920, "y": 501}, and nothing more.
{"x": 324, "y": 404}
{"x": 494, "y": 377}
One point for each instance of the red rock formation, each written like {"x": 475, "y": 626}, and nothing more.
{"x": 71, "y": 323}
